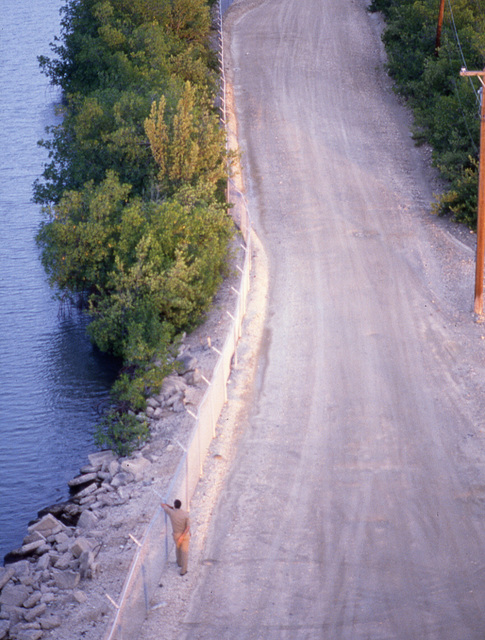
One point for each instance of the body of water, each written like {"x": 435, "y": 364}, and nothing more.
{"x": 51, "y": 379}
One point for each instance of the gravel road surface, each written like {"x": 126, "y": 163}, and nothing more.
{"x": 354, "y": 505}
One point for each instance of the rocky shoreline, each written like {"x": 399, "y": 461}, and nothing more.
{"x": 60, "y": 551}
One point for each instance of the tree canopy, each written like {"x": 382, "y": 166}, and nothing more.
{"x": 135, "y": 223}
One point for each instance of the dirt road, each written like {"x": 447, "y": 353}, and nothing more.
{"x": 355, "y": 506}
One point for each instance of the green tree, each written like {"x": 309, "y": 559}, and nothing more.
{"x": 79, "y": 236}
{"x": 171, "y": 261}
{"x": 114, "y": 58}
{"x": 191, "y": 146}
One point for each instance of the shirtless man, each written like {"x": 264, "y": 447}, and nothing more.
{"x": 181, "y": 532}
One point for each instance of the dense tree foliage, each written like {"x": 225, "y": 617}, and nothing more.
{"x": 114, "y": 59}
{"x": 446, "y": 107}
{"x": 135, "y": 221}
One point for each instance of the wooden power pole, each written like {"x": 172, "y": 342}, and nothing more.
{"x": 440, "y": 25}
{"x": 481, "y": 199}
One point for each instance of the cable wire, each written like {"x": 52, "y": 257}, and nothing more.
{"x": 457, "y": 38}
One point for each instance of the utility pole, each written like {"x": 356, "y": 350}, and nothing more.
{"x": 440, "y": 25}
{"x": 481, "y": 198}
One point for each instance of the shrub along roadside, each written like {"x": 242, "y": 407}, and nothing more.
{"x": 446, "y": 107}
{"x": 135, "y": 227}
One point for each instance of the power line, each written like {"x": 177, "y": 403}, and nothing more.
{"x": 457, "y": 38}
{"x": 465, "y": 119}
{"x": 464, "y": 66}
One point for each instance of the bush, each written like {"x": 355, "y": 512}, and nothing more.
{"x": 461, "y": 200}
{"x": 445, "y": 105}
{"x": 121, "y": 432}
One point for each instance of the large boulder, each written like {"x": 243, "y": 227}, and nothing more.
{"x": 172, "y": 386}
{"x": 88, "y": 567}
{"x": 33, "y": 600}
{"x": 66, "y": 512}
{"x": 14, "y": 594}
{"x": 66, "y": 579}
{"x": 35, "y": 612}
{"x": 5, "y": 574}
{"x": 21, "y": 632}
{"x": 137, "y": 467}
{"x": 121, "y": 479}
{"x": 185, "y": 362}
{"x": 153, "y": 403}
{"x": 82, "y": 479}
{"x": 193, "y": 377}
{"x": 47, "y": 526}
{"x": 80, "y": 545}
{"x": 87, "y": 520}
{"x": 101, "y": 459}
{"x": 87, "y": 491}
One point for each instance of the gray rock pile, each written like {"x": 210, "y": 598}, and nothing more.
{"x": 55, "y": 557}
{"x": 177, "y": 390}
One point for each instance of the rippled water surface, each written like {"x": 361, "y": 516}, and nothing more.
{"x": 51, "y": 379}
